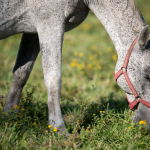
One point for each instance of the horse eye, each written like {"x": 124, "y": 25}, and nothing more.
{"x": 147, "y": 77}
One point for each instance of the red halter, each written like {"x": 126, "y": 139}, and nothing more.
{"x": 123, "y": 71}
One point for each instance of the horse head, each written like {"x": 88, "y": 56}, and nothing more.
{"x": 136, "y": 76}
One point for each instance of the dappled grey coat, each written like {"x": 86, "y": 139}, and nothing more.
{"x": 43, "y": 23}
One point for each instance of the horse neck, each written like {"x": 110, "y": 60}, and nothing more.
{"x": 121, "y": 23}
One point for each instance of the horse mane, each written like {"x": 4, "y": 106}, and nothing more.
{"x": 137, "y": 11}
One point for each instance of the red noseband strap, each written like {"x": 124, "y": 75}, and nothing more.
{"x": 123, "y": 71}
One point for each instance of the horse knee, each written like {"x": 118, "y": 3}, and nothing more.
{"x": 20, "y": 76}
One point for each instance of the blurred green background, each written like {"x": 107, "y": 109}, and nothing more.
{"x": 88, "y": 63}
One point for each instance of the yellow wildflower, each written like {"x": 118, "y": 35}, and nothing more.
{"x": 80, "y": 54}
{"x": 73, "y": 64}
{"x": 86, "y": 26}
{"x": 114, "y": 57}
{"x": 35, "y": 123}
{"x": 142, "y": 122}
{"x": 100, "y": 83}
{"x": 100, "y": 67}
{"x": 109, "y": 49}
{"x": 55, "y": 129}
{"x": 91, "y": 130}
{"x": 90, "y": 57}
{"x": 129, "y": 127}
{"x": 89, "y": 65}
{"x": 25, "y": 141}
{"x": 94, "y": 47}
{"x": 101, "y": 111}
{"x": 74, "y": 60}
{"x": 76, "y": 53}
{"x": 49, "y": 126}
{"x": 13, "y": 107}
{"x": 93, "y": 114}
{"x": 103, "y": 121}
{"x": 100, "y": 53}
{"x": 22, "y": 109}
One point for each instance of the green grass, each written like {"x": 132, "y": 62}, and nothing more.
{"x": 94, "y": 108}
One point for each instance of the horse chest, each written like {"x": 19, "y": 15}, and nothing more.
{"x": 75, "y": 12}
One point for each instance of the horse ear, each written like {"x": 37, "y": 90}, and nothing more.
{"x": 143, "y": 37}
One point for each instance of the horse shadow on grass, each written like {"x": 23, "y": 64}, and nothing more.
{"x": 84, "y": 112}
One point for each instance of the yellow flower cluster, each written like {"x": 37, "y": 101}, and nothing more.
{"x": 16, "y": 107}
{"x": 94, "y": 62}
{"x": 102, "y": 111}
{"x": 78, "y": 54}
{"x": 142, "y": 122}
{"x": 5, "y": 113}
{"x": 55, "y": 128}
{"x": 75, "y": 64}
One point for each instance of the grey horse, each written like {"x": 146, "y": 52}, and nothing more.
{"x": 43, "y": 23}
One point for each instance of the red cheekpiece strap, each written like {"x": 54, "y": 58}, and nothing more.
{"x": 130, "y": 84}
{"x": 129, "y": 53}
{"x": 118, "y": 74}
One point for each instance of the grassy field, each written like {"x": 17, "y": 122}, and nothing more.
{"x": 94, "y": 108}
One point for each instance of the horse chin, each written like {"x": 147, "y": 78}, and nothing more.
{"x": 141, "y": 114}
{"x": 136, "y": 118}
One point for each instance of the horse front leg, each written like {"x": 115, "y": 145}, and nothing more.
{"x": 28, "y": 51}
{"x": 51, "y": 39}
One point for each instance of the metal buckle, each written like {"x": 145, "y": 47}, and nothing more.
{"x": 124, "y": 69}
